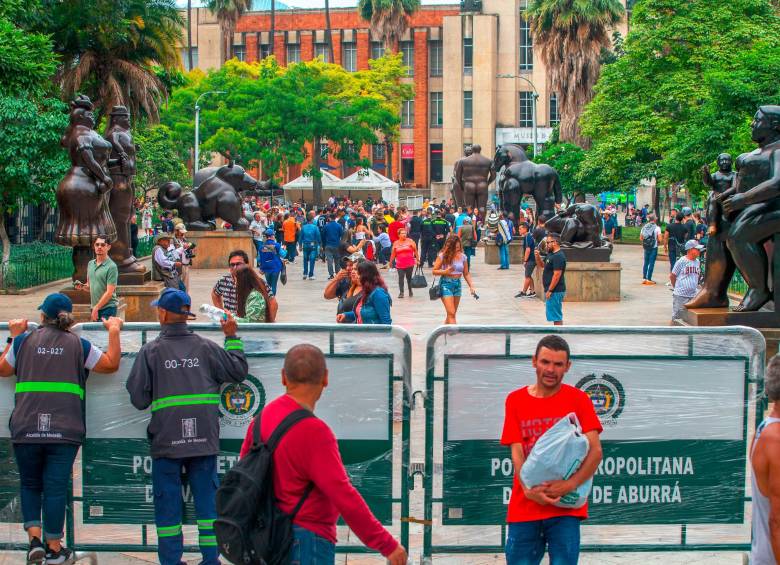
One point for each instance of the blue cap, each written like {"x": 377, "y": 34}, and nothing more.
{"x": 269, "y": 231}
{"x": 54, "y": 304}
{"x": 176, "y": 301}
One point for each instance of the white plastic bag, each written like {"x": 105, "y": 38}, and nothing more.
{"x": 556, "y": 456}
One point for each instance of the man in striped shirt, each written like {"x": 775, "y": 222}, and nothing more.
{"x": 685, "y": 277}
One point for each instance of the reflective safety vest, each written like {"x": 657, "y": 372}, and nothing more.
{"x": 50, "y": 381}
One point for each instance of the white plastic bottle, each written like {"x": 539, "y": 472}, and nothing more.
{"x": 215, "y": 314}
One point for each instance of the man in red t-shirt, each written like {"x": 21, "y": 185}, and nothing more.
{"x": 309, "y": 453}
{"x": 535, "y": 523}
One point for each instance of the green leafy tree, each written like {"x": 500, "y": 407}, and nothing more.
{"x": 270, "y": 114}
{"x": 567, "y": 158}
{"x": 570, "y": 35}
{"x": 690, "y": 78}
{"x": 157, "y": 160}
{"x": 31, "y": 121}
{"x": 110, "y": 50}
{"x": 227, "y": 13}
{"x": 388, "y": 18}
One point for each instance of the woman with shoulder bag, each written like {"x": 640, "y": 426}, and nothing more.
{"x": 451, "y": 265}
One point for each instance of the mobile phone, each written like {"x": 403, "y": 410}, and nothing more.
{"x": 475, "y": 295}
{"x": 77, "y": 284}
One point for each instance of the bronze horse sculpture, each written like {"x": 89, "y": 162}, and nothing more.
{"x": 522, "y": 176}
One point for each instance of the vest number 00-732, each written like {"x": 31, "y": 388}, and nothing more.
{"x": 183, "y": 363}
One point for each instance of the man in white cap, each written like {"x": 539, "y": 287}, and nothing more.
{"x": 685, "y": 277}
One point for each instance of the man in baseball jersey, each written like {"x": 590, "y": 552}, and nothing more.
{"x": 685, "y": 277}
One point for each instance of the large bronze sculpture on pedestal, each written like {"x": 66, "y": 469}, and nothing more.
{"x": 751, "y": 218}
{"x": 457, "y": 189}
{"x": 473, "y": 175}
{"x": 522, "y": 176}
{"x": 122, "y": 198}
{"x": 81, "y": 195}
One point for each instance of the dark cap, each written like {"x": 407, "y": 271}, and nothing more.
{"x": 119, "y": 111}
{"x": 175, "y": 301}
{"x": 54, "y": 304}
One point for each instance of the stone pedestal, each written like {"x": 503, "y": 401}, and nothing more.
{"x": 82, "y": 309}
{"x": 586, "y": 282}
{"x": 138, "y": 299}
{"x": 516, "y": 249}
{"x": 135, "y": 278}
{"x": 213, "y": 247}
{"x": 767, "y": 322}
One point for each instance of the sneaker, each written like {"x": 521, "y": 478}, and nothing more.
{"x": 305, "y": 277}
{"x": 312, "y": 278}
{"x": 401, "y": 295}
{"x": 531, "y": 294}
{"x": 62, "y": 557}
{"x": 411, "y": 294}
{"x": 36, "y": 555}
{"x": 651, "y": 283}
{"x": 330, "y": 277}
{"x": 520, "y": 294}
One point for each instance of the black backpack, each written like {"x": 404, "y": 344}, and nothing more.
{"x": 250, "y": 528}
{"x": 649, "y": 241}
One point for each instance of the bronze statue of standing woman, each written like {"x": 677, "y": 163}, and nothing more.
{"x": 121, "y": 199}
{"x": 82, "y": 194}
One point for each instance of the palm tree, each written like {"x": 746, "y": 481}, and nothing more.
{"x": 189, "y": 34}
{"x": 116, "y": 60}
{"x": 228, "y": 12}
{"x": 388, "y": 18}
{"x": 570, "y": 35}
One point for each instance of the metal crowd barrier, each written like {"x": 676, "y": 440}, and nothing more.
{"x": 367, "y": 404}
{"x": 677, "y": 406}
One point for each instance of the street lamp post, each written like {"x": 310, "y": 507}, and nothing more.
{"x": 534, "y": 98}
{"x": 197, "y": 132}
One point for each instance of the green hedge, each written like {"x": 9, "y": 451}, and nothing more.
{"x": 34, "y": 264}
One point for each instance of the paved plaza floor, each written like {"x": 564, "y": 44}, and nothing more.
{"x": 301, "y": 302}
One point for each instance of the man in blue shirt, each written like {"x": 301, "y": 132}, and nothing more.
{"x": 610, "y": 225}
{"x": 310, "y": 241}
{"x": 332, "y": 239}
{"x": 529, "y": 262}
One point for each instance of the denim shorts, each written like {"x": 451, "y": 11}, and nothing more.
{"x": 553, "y": 307}
{"x": 451, "y": 286}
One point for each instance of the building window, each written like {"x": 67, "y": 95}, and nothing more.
{"x": 350, "y": 56}
{"x": 239, "y": 52}
{"x": 321, "y": 50}
{"x": 468, "y": 55}
{"x": 526, "y": 109}
{"x": 437, "y": 109}
{"x": 407, "y": 114}
{"x": 407, "y": 170}
{"x": 555, "y": 117}
{"x": 526, "y": 45}
{"x": 324, "y": 149}
{"x": 293, "y": 53}
{"x": 437, "y": 162}
{"x": 407, "y": 49}
{"x": 468, "y": 109}
{"x": 377, "y": 50}
{"x": 185, "y": 60}
{"x": 263, "y": 51}
{"x": 435, "y": 53}
{"x": 378, "y": 151}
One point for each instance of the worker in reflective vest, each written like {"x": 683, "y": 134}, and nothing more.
{"x": 179, "y": 376}
{"x": 47, "y": 425}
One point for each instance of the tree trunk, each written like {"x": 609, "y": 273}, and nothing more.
{"x": 316, "y": 179}
{"x": 6, "y": 243}
{"x": 189, "y": 34}
{"x": 273, "y": 27}
{"x": 328, "y": 35}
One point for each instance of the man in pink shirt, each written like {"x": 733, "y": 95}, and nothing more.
{"x": 309, "y": 453}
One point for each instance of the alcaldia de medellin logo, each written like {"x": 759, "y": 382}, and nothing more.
{"x": 240, "y": 402}
{"x": 607, "y": 395}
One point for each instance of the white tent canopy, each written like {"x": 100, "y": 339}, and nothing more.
{"x": 366, "y": 180}
{"x": 306, "y": 182}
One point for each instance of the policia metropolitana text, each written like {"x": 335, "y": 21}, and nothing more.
{"x": 47, "y": 425}
{"x": 179, "y": 375}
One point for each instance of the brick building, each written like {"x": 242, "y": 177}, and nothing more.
{"x": 474, "y": 74}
